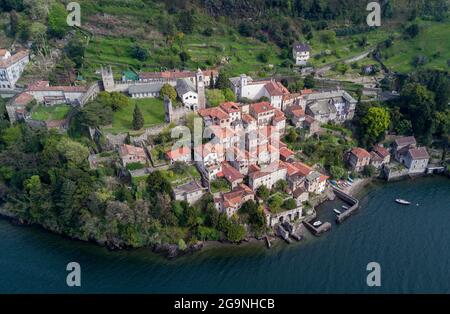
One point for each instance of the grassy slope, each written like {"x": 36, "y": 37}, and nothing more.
{"x": 152, "y": 109}
{"x": 51, "y": 113}
{"x": 433, "y": 38}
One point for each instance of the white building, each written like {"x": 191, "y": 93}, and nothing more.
{"x": 268, "y": 176}
{"x": 12, "y": 67}
{"x": 244, "y": 87}
{"x": 301, "y": 53}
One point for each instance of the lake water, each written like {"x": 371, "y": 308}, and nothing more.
{"x": 411, "y": 243}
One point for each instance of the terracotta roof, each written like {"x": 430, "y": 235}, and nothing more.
{"x": 230, "y": 173}
{"x": 307, "y": 91}
{"x": 14, "y": 59}
{"x": 309, "y": 119}
{"x": 381, "y": 151}
{"x": 407, "y": 140}
{"x": 286, "y": 152}
{"x": 291, "y": 169}
{"x": 3, "y": 52}
{"x": 45, "y": 86}
{"x": 360, "y": 153}
{"x": 230, "y": 107}
{"x": 23, "y": 99}
{"x": 419, "y": 153}
{"x": 375, "y": 157}
{"x": 323, "y": 178}
{"x": 276, "y": 89}
{"x": 297, "y": 111}
{"x": 303, "y": 169}
{"x": 261, "y": 107}
{"x": 217, "y": 113}
{"x": 208, "y": 148}
{"x": 179, "y": 152}
{"x": 279, "y": 116}
{"x": 126, "y": 150}
{"x": 248, "y": 118}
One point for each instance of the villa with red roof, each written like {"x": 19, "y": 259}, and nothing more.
{"x": 132, "y": 154}
{"x": 182, "y": 154}
{"x": 358, "y": 158}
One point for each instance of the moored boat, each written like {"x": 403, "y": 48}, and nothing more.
{"x": 317, "y": 223}
{"x": 338, "y": 212}
{"x": 402, "y": 202}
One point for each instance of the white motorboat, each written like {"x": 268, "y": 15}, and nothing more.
{"x": 317, "y": 223}
{"x": 338, "y": 212}
{"x": 345, "y": 207}
{"x": 402, "y": 202}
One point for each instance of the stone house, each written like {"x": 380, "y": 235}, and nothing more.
{"x": 132, "y": 154}
{"x": 358, "y": 158}
{"x": 12, "y": 67}
{"x": 190, "y": 192}
{"x": 301, "y": 53}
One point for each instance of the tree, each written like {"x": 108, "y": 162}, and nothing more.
{"x": 229, "y": 95}
{"x": 235, "y": 232}
{"x": 186, "y": 22}
{"x": 292, "y": 136}
{"x": 412, "y": 30}
{"x": 289, "y": 204}
{"x": 281, "y": 186}
{"x": 310, "y": 81}
{"x": 75, "y": 50}
{"x": 374, "y": 124}
{"x": 57, "y": 24}
{"x": 275, "y": 203}
{"x": 169, "y": 91}
{"x": 138, "y": 119}
{"x": 263, "y": 192}
{"x": 337, "y": 172}
{"x": 369, "y": 171}
{"x": 139, "y": 53}
{"x": 223, "y": 81}
{"x": 184, "y": 57}
{"x": 418, "y": 102}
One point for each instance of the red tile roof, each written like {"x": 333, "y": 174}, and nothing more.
{"x": 23, "y": 99}
{"x": 230, "y": 173}
{"x": 360, "y": 153}
{"x": 286, "y": 152}
{"x": 217, "y": 113}
{"x": 276, "y": 89}
{"x": 179, "y": 152}
{"x": 126, "y": 150}
{"x": 261, "y": 107}
{"x": 45, "y": 86}
{"x": 419, "y": 153}
{"x": 381, "y": 151}
{"x": 230, "y": 107}
{"x": 303, "y": 169}
{"x": 14, "y": 59}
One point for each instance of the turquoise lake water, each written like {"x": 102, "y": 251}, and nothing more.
{"x": 411, "y": 243}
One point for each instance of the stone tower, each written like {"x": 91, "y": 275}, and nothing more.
{"x": 108, "y": 79}
{"x": 244, "y": 82}
{"x": 168, "y": 109}
{"x": 200, "y": 80}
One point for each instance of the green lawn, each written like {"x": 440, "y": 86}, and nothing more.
{"x": 343, "y": 47}
{"x": 44, "y": 113}
{"x": 152, "y": 109}
{"x": 433, "y": 42}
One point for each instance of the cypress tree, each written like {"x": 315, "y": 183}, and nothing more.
{"x": 138, "y": 119}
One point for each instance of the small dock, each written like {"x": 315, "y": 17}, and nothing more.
{"x": 353, "y": 202}
{"x": 319, "y": 230}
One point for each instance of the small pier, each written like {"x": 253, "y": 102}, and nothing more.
{"x": 353, "y": 202}
{"x": 319, "y": 230}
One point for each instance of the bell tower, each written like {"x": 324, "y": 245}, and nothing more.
{"x": 108, "y": 79}
{"x": 200, "y": 82}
